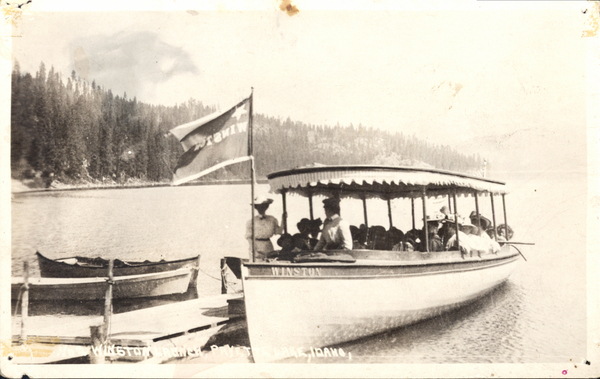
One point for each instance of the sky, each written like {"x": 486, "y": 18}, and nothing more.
{"x": 509, "y": 85}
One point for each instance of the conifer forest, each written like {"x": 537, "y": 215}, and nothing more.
{"x": 74, "y": 132}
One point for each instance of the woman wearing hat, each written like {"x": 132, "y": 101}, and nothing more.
{"x": 336, "y": 232}
{"x": 265, "y": 227}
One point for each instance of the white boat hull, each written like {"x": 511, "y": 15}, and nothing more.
{"x": 299, "y": 307}
{"x": 124, "y": 287}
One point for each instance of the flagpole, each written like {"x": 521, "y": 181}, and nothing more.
{"x": 251, "y": 153}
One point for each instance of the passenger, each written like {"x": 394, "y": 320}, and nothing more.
{"x": 304, "y": 226}
{"x": 467, "y": 245}
{"x": 505, "y": 231}
{"x": 414, "y": 238}
{"x": 356, "y": 238}
{"x": 404, "y": 245}
{"x": 376, "y": 238}
{"x": 314, "y": 230}
{"x": 301, "y": 241}
{"x": 433, "y": 225}
{"x": 288, "y": 249}
{"x": 445, "y": 230}
{"x": 393, "y": 237}
{"x": 484, "y": 224}
{"x": 265, "y": 227}
{"x": 336, "y": 231}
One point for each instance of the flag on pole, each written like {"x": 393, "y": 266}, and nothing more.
{"x": 213, "y": 142}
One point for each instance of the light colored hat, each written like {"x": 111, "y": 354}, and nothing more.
{"x": 262, "y": 200}
{"x": 435, "y": 217}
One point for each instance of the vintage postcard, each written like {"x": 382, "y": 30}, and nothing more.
{"x": 294, "y": 188}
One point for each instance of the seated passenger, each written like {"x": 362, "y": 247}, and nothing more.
{"x": 376, "y": 238}
{"x": 484, "y": 224}
{"x": 314, "y": 230}
{"x": 433, "y": 225}
{"x": 358, "y": 237}
{"x": 505, "y": 232}
{"x": 288, "y": 249}
{"x": 336, "y": 231}
{"x": 301, "y": 241}
{"x": 304, "y": 226}
{"x": 393, "y": 237}
{"x": 406, "y": 244}
{"x": 447, "y": 229}
{"x": 414, "y": 237}
{"x": 467, "y": 244}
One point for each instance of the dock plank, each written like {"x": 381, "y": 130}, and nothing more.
{"x": 137, "y": 327}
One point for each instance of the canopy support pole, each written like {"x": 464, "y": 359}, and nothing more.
{"x": 493, "y": 216}
{"x": 456, "y": 225}
{"x": 505, "y": 223}
{"x": 390, "y": 212}
{"x": 252, "y": 173}
{"x": 284, "y": 216}
{"x": 412, "y": 208}
{"x": 449, "y": 205}
{"x": 310, "y": 206}
{"x": 477, "y": 211}
{"x": 425, "y": 220}
{"x": 364, "y": 199}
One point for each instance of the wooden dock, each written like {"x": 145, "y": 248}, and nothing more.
{"x": 153, "y": 335}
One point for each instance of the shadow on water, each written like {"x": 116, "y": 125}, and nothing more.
{"x": 488, "y": 321}
{"x": 96, "y": 307}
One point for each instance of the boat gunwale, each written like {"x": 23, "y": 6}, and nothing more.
{"x": 508, "y": 260}
{"x": 42, "y": 281}
{"x": 386, "y": 263}
{"x": 128, "y": 264}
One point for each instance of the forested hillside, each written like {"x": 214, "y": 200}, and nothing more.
{"x": 75, "y": 132}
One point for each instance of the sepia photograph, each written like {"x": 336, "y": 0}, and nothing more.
{"x": 293, "y": 188}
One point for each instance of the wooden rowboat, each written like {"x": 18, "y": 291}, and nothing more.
{"x": 124, "y": 287}
{"x": 297, "y": 307}
{"x": 84, "y": 267}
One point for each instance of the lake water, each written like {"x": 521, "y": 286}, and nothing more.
{"x": 538, "y": 315}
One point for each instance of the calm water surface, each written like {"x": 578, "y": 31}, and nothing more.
{"x": 538, "y": 315}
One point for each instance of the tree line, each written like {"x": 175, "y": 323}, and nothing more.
{"x": 74, "y": 131}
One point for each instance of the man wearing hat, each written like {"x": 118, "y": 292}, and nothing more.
{"x": 265, "y": 227}
{"x": 336, "y": 232}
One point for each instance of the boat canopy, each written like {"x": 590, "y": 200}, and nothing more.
{"x": 383, "y": 182}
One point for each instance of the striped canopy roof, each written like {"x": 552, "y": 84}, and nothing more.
{"x": 384, "y": 182}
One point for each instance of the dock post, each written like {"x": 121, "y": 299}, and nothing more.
{"x": 25, "y": 302}
{"x": 223, "y": 277}
{"x": 108, "y": 301}
{"x": 96, "y": 348}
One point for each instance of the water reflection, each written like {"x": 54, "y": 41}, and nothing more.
{"x": 482, "y": 331}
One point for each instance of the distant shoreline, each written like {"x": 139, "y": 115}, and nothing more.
{"x": 18, "y": 187}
